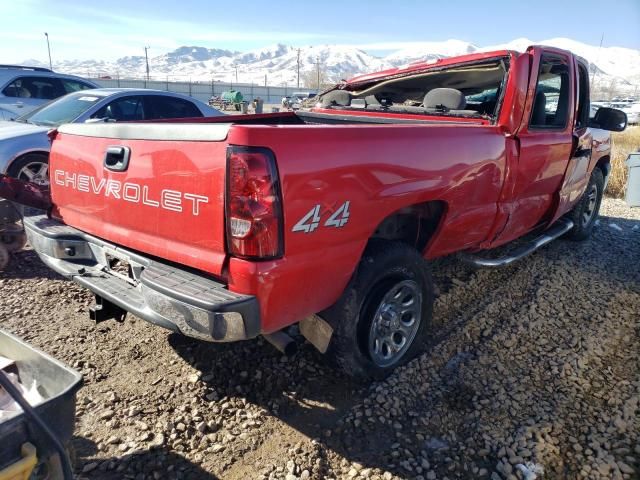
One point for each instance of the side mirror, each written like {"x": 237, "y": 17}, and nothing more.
{"x": 609, "y": 119}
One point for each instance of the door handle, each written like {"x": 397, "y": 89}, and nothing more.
{"x": 116, "y": 158}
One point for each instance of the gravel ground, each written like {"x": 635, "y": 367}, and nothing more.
{"x": 534, "y": 371}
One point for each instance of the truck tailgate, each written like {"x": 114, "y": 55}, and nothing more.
{"x": 165, "y": 200}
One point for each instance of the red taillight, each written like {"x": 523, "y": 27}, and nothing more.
{"x": 253, "y": 207}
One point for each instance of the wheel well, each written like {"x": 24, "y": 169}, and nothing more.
{"x": 11, "y": 164}
{"x": 604, "y": 164}
{"x": 413, "y": 225}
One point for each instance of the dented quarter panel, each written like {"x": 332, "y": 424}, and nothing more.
{"x": 379, "y": 169}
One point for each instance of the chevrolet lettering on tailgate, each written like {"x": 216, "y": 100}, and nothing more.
{"x": 166, "y": 199}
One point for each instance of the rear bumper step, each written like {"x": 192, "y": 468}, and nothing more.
{"x": 177, "y": 299}
{"x": 561, "y": 227}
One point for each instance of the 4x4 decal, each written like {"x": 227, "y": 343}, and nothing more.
{"x": 311, "y": 220}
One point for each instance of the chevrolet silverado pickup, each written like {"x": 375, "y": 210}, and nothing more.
{"x": 228, "y": 228}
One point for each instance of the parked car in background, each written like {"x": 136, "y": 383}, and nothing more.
{"x": 24, "y": 88}
{"x": 632, "y": 109}
{"x": 296, "y": 99}
{"x": 633, "y": 116}
{"x": 24, "y": 145}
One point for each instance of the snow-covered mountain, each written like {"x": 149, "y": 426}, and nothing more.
{"x": 277, "y": 64}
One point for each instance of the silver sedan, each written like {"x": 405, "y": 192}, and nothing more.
{"x": 24, "y": 143}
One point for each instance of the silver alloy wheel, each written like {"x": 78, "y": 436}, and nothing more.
{"x": 395, "y": 323}
{"x": 590, "y": 208}
{"x": 35, "y": 172}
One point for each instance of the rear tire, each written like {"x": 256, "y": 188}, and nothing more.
{"x": 383, "y": 318}
{"x": 585, "y": 213}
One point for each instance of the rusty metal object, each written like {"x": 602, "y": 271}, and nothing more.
{"x": 25, "y": 193}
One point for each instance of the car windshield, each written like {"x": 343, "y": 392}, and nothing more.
{"x": 62, "y": 110}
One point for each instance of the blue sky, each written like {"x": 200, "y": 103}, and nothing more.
{"x": 115, "y": 28}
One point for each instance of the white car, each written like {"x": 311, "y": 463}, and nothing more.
{"x": 24, "y": 144}
{"x": 24, "y": 88}
{"x": 631, "y": 109}
{"x": 633, "y": 113}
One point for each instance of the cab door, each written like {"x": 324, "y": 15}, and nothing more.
{"x": 544, "y": 142}
{"x": 576, "y": 177}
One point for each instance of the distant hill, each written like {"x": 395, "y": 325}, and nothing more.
{"x": 278, "y": 62}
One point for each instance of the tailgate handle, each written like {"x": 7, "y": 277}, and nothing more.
{"x": 116, "y": 158}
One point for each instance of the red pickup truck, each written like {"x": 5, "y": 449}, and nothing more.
{"x": 229, "y": 228}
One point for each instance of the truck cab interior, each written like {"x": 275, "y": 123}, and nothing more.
{"x": 462, "y": 90}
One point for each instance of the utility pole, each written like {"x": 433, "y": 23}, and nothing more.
{"x": 593, "y": 77}
{"x": 236, "y": 66}
{"x": 146, "y": 58}
{"x": 318, "y": 70}
{"x": 265, "y": 79}
{"x": 49, "y": 50}
{"x": 298, "y": 69}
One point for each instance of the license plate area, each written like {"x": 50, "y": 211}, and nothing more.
{"x": 120, "y": 265}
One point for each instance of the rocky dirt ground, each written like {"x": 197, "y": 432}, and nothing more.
{"x": 534, "y": 370}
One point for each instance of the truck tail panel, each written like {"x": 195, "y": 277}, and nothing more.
{"x": 162, "y": 195}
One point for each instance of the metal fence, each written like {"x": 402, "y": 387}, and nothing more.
{"x": 202, "y": 90}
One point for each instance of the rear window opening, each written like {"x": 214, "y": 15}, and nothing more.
{"x": 465, "y": 90}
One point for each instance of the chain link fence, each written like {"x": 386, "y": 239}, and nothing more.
{"x": 198, "y": 89}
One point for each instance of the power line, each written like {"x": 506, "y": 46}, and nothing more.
{"x": 298, "y": 68}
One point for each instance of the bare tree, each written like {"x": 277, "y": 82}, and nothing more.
{"x": 309, "y": 79}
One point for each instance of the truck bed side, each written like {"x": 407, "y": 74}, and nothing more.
{"x": 379, "y": 170}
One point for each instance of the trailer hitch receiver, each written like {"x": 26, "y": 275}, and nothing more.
{"x": 105, "y": 310}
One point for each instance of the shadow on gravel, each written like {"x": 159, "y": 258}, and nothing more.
{"x": 300, "y": 391}
{"x": 627, "y": 225}
{"x": 157, "y": 463}
{"x": 26, "y": 265}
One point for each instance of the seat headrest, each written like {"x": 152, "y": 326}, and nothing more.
{"x": 371, "y": 100}
{"x": 444, "y": 99}
{"x": 336, "y": 98}
{"x": 539, "y": 113}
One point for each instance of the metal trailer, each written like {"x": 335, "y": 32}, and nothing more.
{"x": 35, "y": 442}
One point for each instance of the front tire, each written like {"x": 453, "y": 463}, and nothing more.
{"x": 585, "y": 213}
{"x": 32, "y": 167}
{"x": 383, "y": 319}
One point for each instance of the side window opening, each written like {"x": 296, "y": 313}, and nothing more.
{"x": 74, "y": 85}
{"x": 163, "y": 107}
{"x": 15, "y": 90}
{"x": 122, "y": 110}
{"x": 582, "y": 116}
{"x": 41, "y": 87}
{"x": 551, "y": 101}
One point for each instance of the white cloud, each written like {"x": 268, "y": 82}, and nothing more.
{"x": 94, "y": 33}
